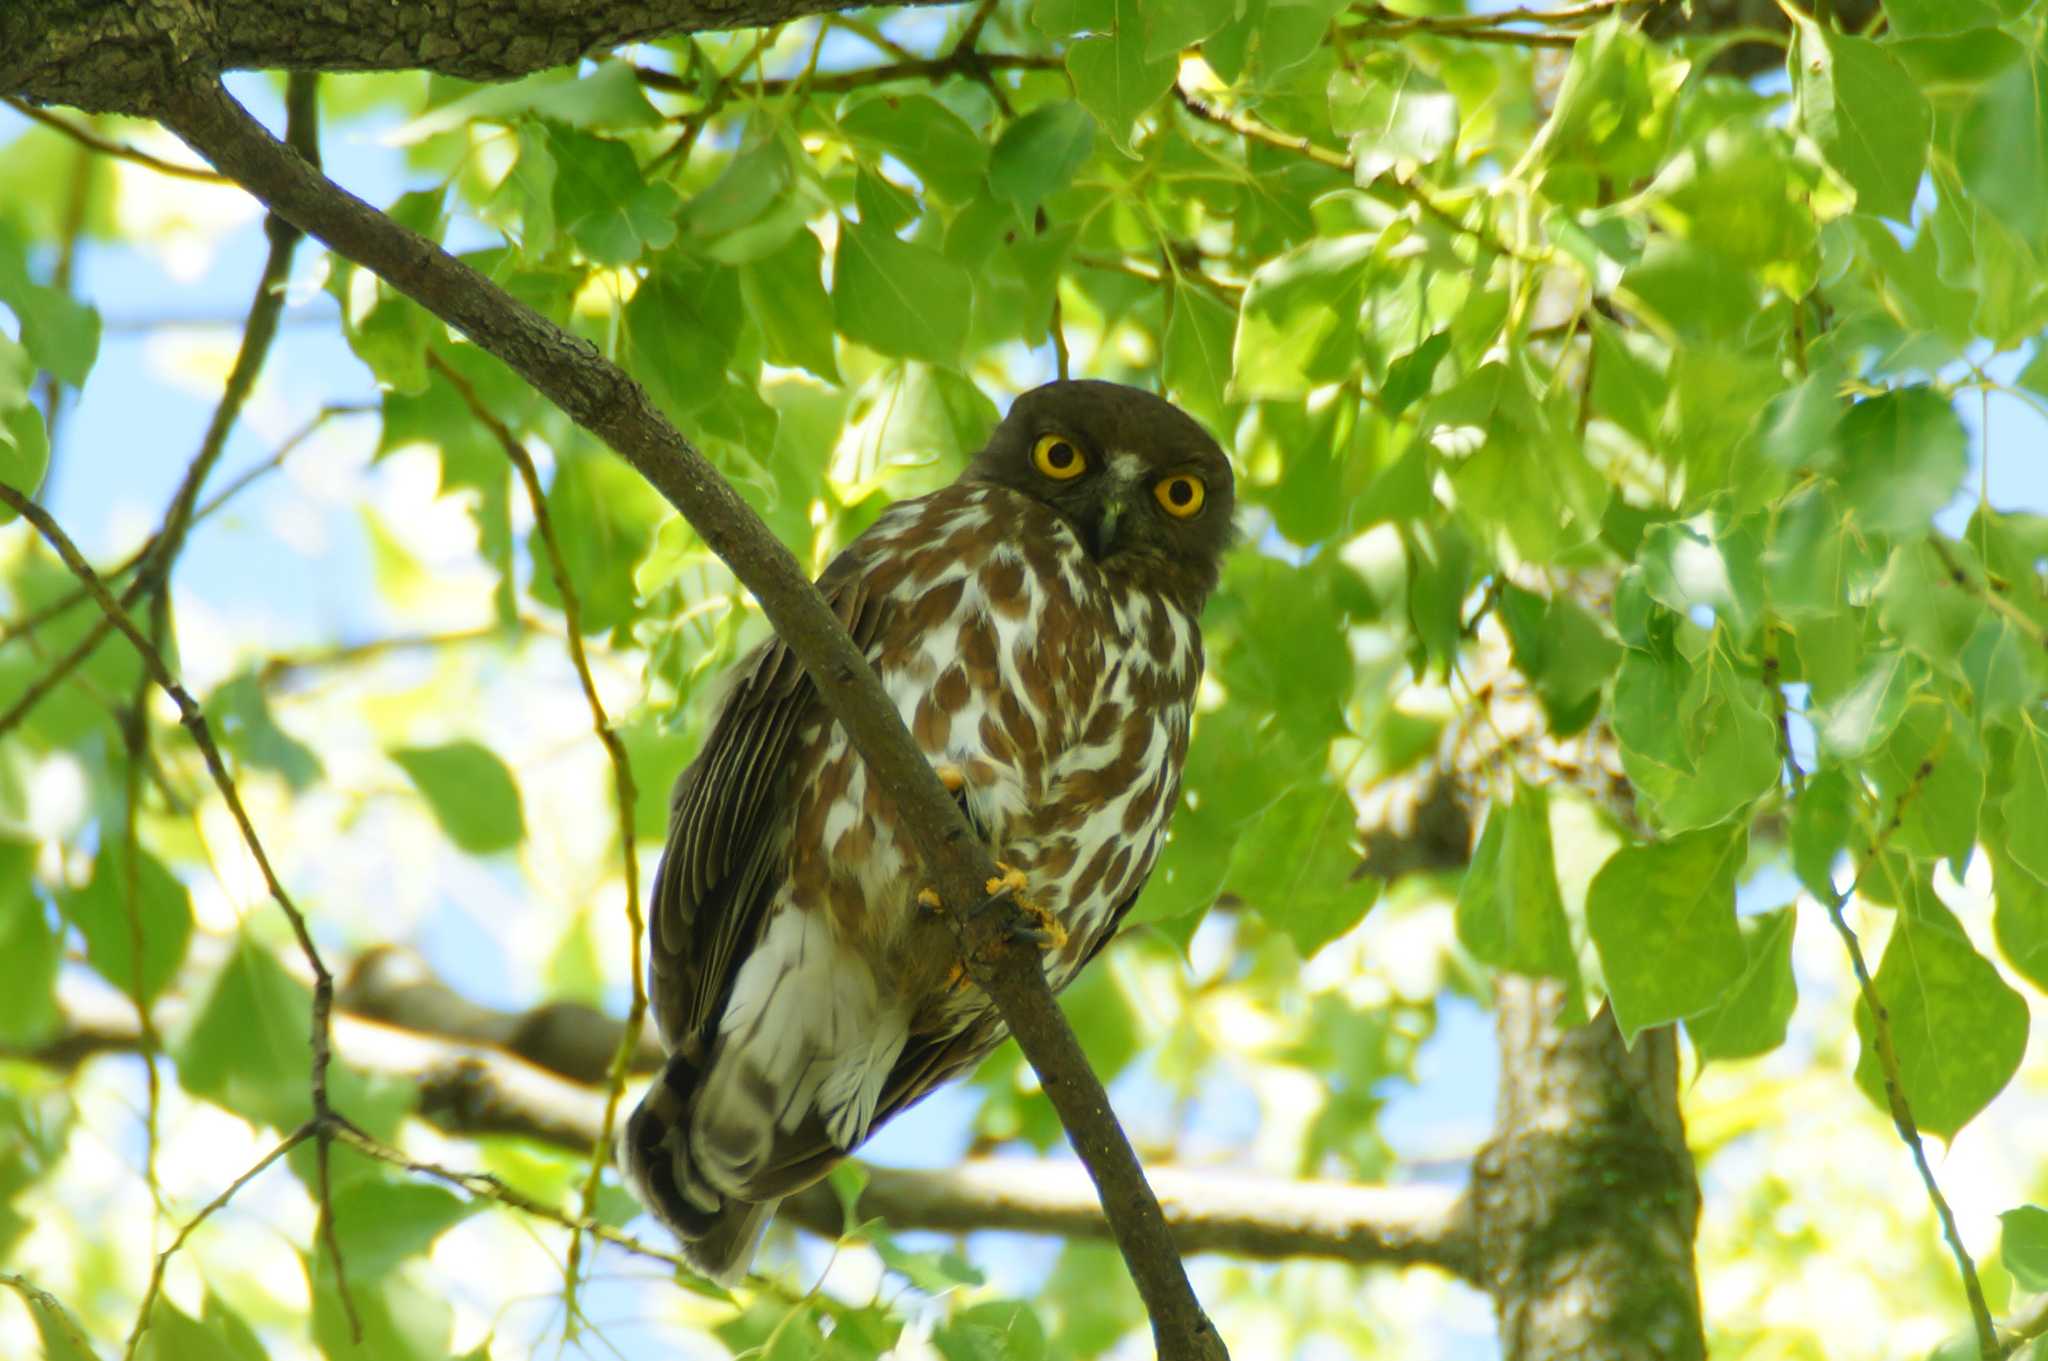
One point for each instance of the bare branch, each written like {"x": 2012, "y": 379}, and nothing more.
{"x": 1209, "y": 1211}
{"x": 467, "y": 1088}
{"x": 603, "y": 400}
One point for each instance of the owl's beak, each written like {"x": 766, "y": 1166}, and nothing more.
{"x": 1119, "y": 499}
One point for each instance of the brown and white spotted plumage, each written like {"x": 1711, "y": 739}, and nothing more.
{"x": 1035, "y": 623}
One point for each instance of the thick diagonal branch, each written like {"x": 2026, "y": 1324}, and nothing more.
{"x": 604, "y": 400}
{"x": 98, "y": 55}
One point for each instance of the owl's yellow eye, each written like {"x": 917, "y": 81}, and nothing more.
{"x": 1057, "y": 458}
{"x": 1180, "y": 495}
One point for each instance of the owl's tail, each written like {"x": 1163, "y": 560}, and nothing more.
{"x": 718, "y": 1232}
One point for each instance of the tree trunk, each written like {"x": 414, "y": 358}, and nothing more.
{"x": 1586, "y": 1198}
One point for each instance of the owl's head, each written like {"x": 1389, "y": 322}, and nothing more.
{"x": 1143, "y": 485}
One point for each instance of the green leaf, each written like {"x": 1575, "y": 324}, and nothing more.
{"x": 1509, "y": 913}
{"x": 246, "y": 1047}
{"x": 2026, "y": 801}
{"x": 898, "y": 298}
{"x": 1867, "y": 116}
{"x": 1196, "y": 361}
{"x": 1700, "y": 742}
{"x": 219, "y": 1335}
{"x": 63, "y": 1339}
{"x": 1294, "y": 865}
{"x": 526, "y": 196}
{"x": 2019, "y": 917}
{"x": 1931, "y": 774}
{"x": 1859, "y": 721}
{"x": 925, "y": 135}
{"x": 605, "y": 517}
{"x": 2002, "y": 148}
{"x": 1182, "y": 24}
{"x": 24, "y": 450}
{"x": 1038, "y": 155}
{"x": 1917, "y": 18}
{"x": 606, "y": 96}
{"x": 1613, "y": 115}
{"x": 29, "y": 951}
{"x": 1906, "y": 453}
{"x": 1752, "y": 1016}
{"x": 787, "y": 299}
{"x": 60, "y": 333}
{"x": 1663, "y": 918}
{"x": 1116, "y": 77}
{"x": 239, "y": 713}
{"x": 603, "y": 202}
{"x": 1562, "y": 650}
{"x": 1821, "y": 823}
{"x": 1707, "y": 562}
{"x": 162, "y": 918}
{"x": 1410, "y": 376}
{"x": 473, "y": 795}
{"x": 2023, "y": 1246}
{"x": 2004, "y": 665}
{"x": 1921, "y": 604}
{"x": 910, "y": 431}
{"x": 1797, "y": 427}
{"x": 1000, "y": 1330}
{"x": 682, "y": 326}
{"x": 1958, "y": 1030}
{"x": 399, "y": 1320}
{"x": 381, "y": 1221}
{"x": 756, "y": 205}
{"x": 1298, "y": 327}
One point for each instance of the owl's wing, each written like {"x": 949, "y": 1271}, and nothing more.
{"x": 721, "y": 869}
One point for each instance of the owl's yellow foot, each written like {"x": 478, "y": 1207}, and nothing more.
{"x": 1039, "y": 926}
{"x": 929, "y": 900}
{"x": 952, "y": 777}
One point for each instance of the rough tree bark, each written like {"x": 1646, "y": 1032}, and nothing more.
{"x": 1586, "y": 1197}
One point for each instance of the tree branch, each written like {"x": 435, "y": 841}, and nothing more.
{"x": 394, "y": 1018}
{"x": 194, "y": 721}
{"x": 605, "y": 401}
{"x": 98, "y": 56}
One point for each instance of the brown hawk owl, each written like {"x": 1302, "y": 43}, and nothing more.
{"x": 1035, "y": 623}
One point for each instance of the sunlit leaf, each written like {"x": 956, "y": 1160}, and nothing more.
{"x": 473, "y": 795}
{"x": 1663, "y": 917}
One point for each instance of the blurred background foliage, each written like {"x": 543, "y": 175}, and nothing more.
{"x": 1639, "y": 433}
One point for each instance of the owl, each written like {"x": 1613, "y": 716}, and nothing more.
{"x": 1035, "y": 624}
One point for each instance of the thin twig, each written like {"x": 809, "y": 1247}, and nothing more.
{"x": 259, "y": 330}
{"x": 228, "y": 1193}
{"x": 604, "y": 400}
{"x": 194, "y": 721}
{"x": 967, "y": 64}
{"x": 1895, "y": 1089}
{"x": 274, "y": 669}
{"x": 622, "y": 788}
{"x": 120, "y": 150}
{"x": 1253, "y": 130}
{"x": 489, "y": 1186}
{"x": 78, "y": 595}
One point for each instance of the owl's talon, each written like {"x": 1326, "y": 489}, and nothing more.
{"x": 1011, "y": 881}
{"x": 929, "y": 900}
{"x": 952, "y": 777}
{"x": 1033, "y": 924}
